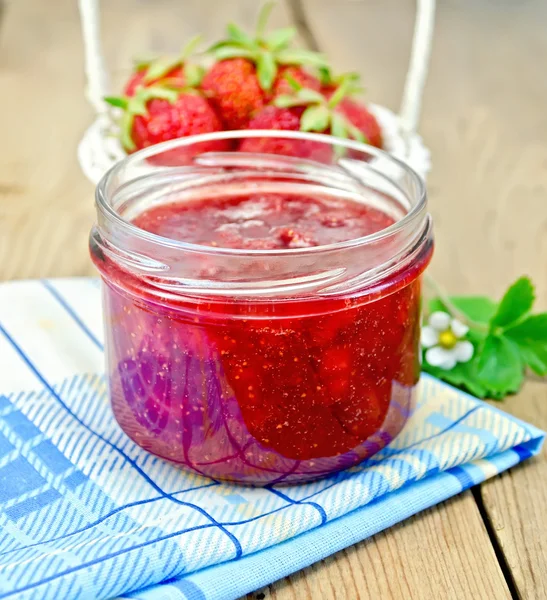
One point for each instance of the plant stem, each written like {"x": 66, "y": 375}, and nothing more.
{"x": 454, "y": 310}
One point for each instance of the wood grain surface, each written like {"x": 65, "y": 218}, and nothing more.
{"x": 485, "y": 120}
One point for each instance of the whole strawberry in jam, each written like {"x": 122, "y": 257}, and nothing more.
{"x": 250, "y": 71}
{"x": 174, "y": 72}
{"x": 157, "y": 114}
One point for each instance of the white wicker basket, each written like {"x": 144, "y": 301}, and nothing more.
{"x": 99, "y": 148}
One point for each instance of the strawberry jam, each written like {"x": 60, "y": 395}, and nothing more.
{"x": 261, "y": 329}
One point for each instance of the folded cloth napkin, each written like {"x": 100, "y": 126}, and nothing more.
{"x": 85, "y": 513}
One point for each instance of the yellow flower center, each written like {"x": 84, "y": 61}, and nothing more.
{"x": 447, "y": 339}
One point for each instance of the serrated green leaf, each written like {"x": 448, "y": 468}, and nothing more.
{"x": 117, "y": 102}
{"x": 478, "y": 309}
{"x": 463, "y": 376}
{"x": 280, "y": 38}
{"x": 338, "y": 126}
{"x": 515, "y": 304}
{"x": 230, "y": 51}
{"x": 315, "y": 118}
{"x": 299, "y": 56}
{"x": 499, "y": 366}
{"x": 161, "y": 67}
{"x": 266, "y": 70}
{"x": 236, "y": 34}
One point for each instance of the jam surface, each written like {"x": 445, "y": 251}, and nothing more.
{"x": 264, "y": 221}
{"x": 263, "y": 394}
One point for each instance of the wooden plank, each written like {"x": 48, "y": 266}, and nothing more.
{"x": 515, "y": 504}
{"x": 443, "y": 553}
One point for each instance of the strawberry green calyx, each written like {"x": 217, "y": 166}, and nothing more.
{"x": 137, "y": 105}
{"x": 266, "y": 51}
{"x": 158, "y": 67}
{"x": 320, "y": 113}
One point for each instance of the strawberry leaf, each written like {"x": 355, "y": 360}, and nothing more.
{"x": 286, "y": 101}
{"x": 356, "y": 133}
{"x": 263, "y": 17}
{"x": 515, "y": 304}
{"x": 299, "y": 56}
{"x": 190, "y": 47}
{"x": 117, "y": 102}
{"x": 126, "y": 126}
{"x": 231, "y": 51}
{"x": 478, "y": 309}
{"x": 463, "y": 375}
{"x": 160, "y": 67}
{"x": 338, "y": 126}
{"x": 315, "y": 118}
{"x": 499, "y": 366}
{"x": 530, "y": 336}
{"x": 281, "y": 38}
{"x": 266, "y": 70}
{"x": 310, "y": 96}
{"x": 236, "y": 34}
{"x": 193, "y": 74}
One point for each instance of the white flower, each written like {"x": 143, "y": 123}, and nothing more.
{"x": 441, "y": 338}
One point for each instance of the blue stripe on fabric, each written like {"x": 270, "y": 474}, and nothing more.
{"x": 523, "y": 451}
{"x": 149, "y": 480}
{"x": 461, "y": 474}
{"x": 318, "y": 507}
{"x": 72, "y": 313}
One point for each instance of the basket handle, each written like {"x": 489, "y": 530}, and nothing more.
{"x": 97, "y": 79}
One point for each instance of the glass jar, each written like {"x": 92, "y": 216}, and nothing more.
{"x": 262, "y": 366}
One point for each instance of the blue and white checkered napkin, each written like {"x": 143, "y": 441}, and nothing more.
{"x": 85, "y": 513}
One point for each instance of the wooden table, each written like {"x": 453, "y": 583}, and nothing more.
{"x": 485, "y": 120}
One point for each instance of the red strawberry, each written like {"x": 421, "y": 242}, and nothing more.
{"x": 245, "y": 76}
{"x": 308, "y": 110}
{"x": 286, "y": 75}
{"x": 359, "y": 116}
{"x": 156, "y": 114}
{"x": 169, "y": 71}
{"x": 288, "y": 119}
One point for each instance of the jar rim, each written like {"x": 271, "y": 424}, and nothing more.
{"x": 103, "y": 204}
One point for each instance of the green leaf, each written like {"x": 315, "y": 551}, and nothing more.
{"x": 190, "y": 47}
{"x": 263, "y": 17}
{"x": 299, "y": 56}
{"x": 117, "y": 102}
{"x": 463, "y": 376}
{"x": 280, "y": 38}
{"x": 193, "y": 74}
{"x": 499, "y": 366}
{"x": 236, "y": 34}
{"x": 516, "y": 302}
{"x": 534, "y": 328}
{"x": 534, "y": 355}
{"x": 356, "y": 133}
{"x": 338, "y": 126}
{"x": 286, "y": 101}
{"x": 531, "y": 337}
{"x": 225, "y": 52}
{"x": 266, "y": 69}
{"x": 126, "y": 126}
{"x": 161, "y": 67}
{"x": 315, "y": 118}
{"x": 310, "y": 96}
{"x": 339, "y": 93}
{"x": 478, "y": 309}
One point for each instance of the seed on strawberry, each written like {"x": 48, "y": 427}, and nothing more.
{"x": 247, "y": 70}
{"x": 156, "y": 114}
